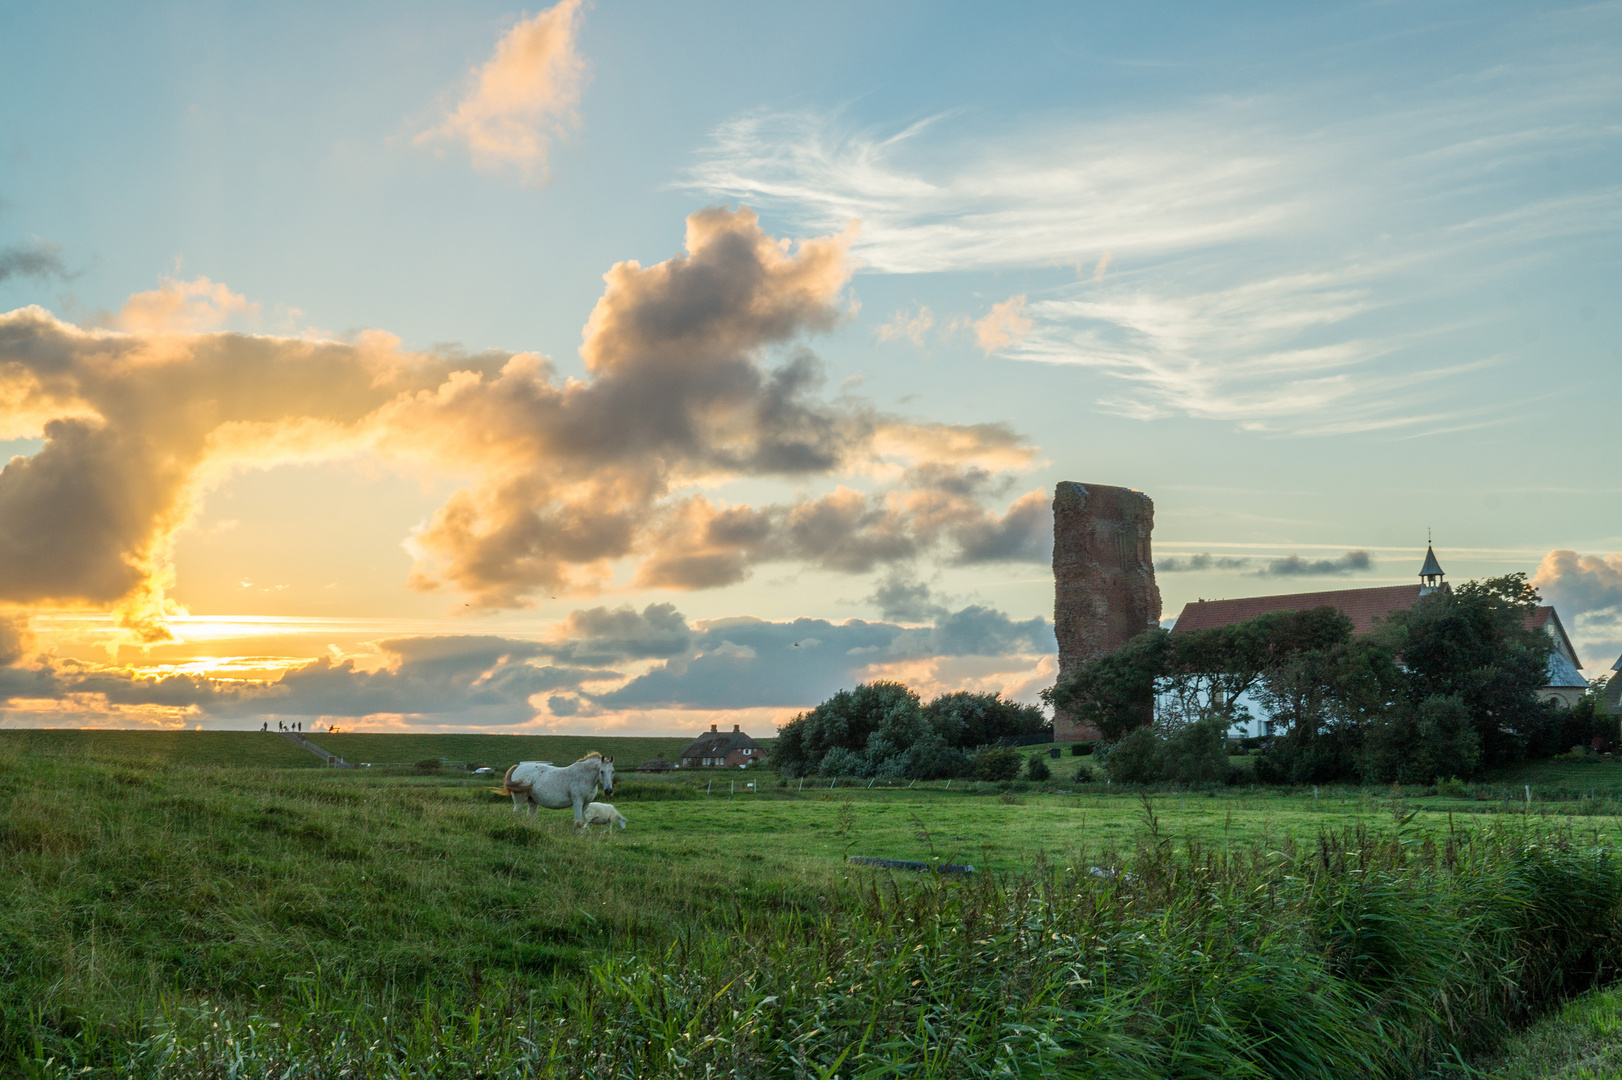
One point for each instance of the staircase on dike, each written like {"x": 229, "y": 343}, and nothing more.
{"x": 298, "y": 739}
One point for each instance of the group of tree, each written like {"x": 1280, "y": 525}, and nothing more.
{"x": 883, "y": 729}
{"x": 1446, "y": 688}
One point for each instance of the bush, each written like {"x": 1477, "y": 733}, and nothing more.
{"x": 430, "y": 764}
{"x": 1081, "y": 749}
{"x": 1084, "y": 773}
{"x": 1135, "y": 759}
{"x": 996, "y": 763}
{"x": 1037, "y": 768}
{"x": 1198, "y": 754}
{"x": 1452, "y": 789}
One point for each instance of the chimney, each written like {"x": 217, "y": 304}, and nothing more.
{"x": 734, "y": 729}
{"x": 712, "y": 729}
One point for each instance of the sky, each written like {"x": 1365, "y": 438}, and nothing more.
{"x": 623, "y": 368}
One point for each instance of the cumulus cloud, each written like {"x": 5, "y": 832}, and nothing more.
{"x": 567, "y": 476}
{"x": 1004, "y": 326}
{"x": 523, "y": 97}
{"x": 904, "y": 598}
{"x": 1578, "y": 584}
{"x": 183, "y": 307}
{"x": 1294, "y": 566}
{"x": 36, "y": 260}
{"x": 703, "y": 544}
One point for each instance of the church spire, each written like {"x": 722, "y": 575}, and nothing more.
{"x": 1430, "y": 575}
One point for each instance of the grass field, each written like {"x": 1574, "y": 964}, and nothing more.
{"x": 269, "y": 750}
{"x": 145, "y": 876}
{"x": 1582, "y": 1041}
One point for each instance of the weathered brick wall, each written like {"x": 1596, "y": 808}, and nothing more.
{"x": 1103, "y": 576}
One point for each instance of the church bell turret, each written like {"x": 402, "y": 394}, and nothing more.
{"x": 1430, "y": 575}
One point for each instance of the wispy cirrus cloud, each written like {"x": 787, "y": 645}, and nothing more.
{"x": 523, "y": 98}
{"x": 1282, "y": 264}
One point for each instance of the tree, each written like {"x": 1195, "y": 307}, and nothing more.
{"x": 1182, "y": 678}
{"x": 968, "y": 720}
{"x": 886, "y": 715}
{"x": 1473, "y": 643}
{"x": 881, "y": 729}
{"x": 1115, "y": 693}
{"x": 1323, "y": 703}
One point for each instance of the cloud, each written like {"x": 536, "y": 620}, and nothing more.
{"x": 37, "y": 260}
{"x": 523, "y": 97}
{"x": 183, "y": 307}
{"x": 1005, "y": 326}
{"x": 909, "y": 326}
{"x": 1203, "y": 562}
{"x": 16, "y": 637}
{"x": 475, "y": 680}
{"x": 1294, "y": 566}
{"x": 565, "y": 478}
{"x": 1287, "y": 566}
{"x": 1298, "y": 263}
{"x": 905, "y": 599}
{"x": 1578, "y": 584}
{"x": 1032, "y": 198}
{"x": 703, "y": 544}
{"x": 745, "y": 662}
{"x": 603, "y": 636}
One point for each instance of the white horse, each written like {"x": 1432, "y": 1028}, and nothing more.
{"x": 601, "y": 813}
{"x": 532, "y": 784}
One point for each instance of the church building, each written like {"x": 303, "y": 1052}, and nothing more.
{"x": 1368, "y": 607}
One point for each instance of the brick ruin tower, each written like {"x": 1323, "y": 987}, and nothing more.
{"x": 1103, "y": 577}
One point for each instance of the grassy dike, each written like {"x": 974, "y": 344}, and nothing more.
{"x": 165, "y": 920}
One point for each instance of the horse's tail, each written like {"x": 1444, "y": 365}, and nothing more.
{"x": 511, "y": 788}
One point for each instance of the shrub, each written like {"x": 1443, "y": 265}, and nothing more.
{"x": 1037, "y": 768}
{"x": 1452, "y": 789}
{"x": 996, "y": 763}
{"x": 1081, "y": 749}
{"x": 427, "y": 765}
{"x": 1135, "y": 759}
{"x": 1198, "y": 754}
{"x": 1084, "y": 773}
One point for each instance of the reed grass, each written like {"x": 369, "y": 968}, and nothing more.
{"x": 163, "y": 921}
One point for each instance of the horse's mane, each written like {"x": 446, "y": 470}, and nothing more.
{"x": 591, "y": 754}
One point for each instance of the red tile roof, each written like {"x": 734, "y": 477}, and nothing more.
{"x": 1363, "y": 606}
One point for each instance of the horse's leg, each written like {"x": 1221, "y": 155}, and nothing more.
{"x": 580, "y": 813}
{"x": 518, "y": 801}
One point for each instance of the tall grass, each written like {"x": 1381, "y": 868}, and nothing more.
{"x": 182, "y": 924}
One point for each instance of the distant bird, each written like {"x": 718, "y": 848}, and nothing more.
{"x": 796, "y": 644}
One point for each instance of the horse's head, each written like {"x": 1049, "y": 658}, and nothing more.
{"x": 605, "y": 775}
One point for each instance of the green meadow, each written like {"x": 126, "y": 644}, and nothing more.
{"x": 269, "y": 750}
{"x": 391, "y": 922}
